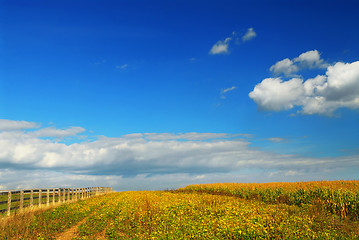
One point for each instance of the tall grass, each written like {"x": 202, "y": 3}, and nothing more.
{"x": 339, "y": 197}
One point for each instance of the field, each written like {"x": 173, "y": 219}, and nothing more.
{"x": 305, "y": 210}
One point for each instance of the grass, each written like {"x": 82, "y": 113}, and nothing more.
{"x": 46, "y": 222}
{"x": 15, "y": 198}
{"x": 339, "y": 197}
{"x": 210, "y": 211}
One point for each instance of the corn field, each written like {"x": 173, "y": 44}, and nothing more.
{"x": 339, "y": 197}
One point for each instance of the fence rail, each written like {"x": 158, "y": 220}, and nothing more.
{"x": 19, "y": 199}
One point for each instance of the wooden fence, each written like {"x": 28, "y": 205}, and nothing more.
{"x": 19, "y": 199}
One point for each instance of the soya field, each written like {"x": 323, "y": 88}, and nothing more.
{"x": 301, "y": 210}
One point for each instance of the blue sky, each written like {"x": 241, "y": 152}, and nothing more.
{"x": 160, "y": 94}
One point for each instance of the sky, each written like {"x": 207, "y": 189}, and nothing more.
{"x": 151, "y": 95}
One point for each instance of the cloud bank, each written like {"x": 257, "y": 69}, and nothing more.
{"x": 146, "y": 156}
{"x": 323, "y": 94}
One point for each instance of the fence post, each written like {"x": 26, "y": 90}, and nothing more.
{"x": 53, "y": 196}
{"x": 40, "y": 196}
{"x": 21, "y": 200}
{"x": 47, "y": 197}
{"x": 59, "y": 193}
{"x": 31, "y": 197}
{"x": 8, "y": 203}
{"x": 64, "y": 195}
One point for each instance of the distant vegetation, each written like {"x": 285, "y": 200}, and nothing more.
{"x": 303, "y": 210}
{"x": 339, "y": 197}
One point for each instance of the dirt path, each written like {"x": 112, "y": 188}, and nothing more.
{"x": 71, "y": 232}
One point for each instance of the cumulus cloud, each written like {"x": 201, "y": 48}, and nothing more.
{"x": 274, "y": 94}
{"x": 311, "y": 59}
{"x": 285, "y": 66}
{"x": 249, "y": 35}
{"x": 288, "y": 67}
{"x": 323, "y": 94}
{"x": 221, "y": 47}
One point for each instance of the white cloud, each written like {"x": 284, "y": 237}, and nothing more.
{"x": 274, "y": 94}
{"x": 285, "y": 66}
{"x": 192, "y": 136}
{"x": 224, "y": 91}
{"x": 145, "y": 160}
{"x": 250, "y": 34}
{"x": 58, "y": 133}
{"x": 9, "y": 125}
{"x": 228, "y": 89}
{"x": 323, "y": 94}
{"x": 276, "y": 139}
{"x": 342, "y": 81}
{"x": 221, "y": 47}
{"x": 309, "y": 59}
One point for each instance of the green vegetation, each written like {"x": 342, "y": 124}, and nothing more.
{"x": 210, "y": 211}
{"x": 339, "y": 197}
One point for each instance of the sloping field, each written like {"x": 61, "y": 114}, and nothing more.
{"x": 339, "y": 197}
{"x": 187, "y": 213}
